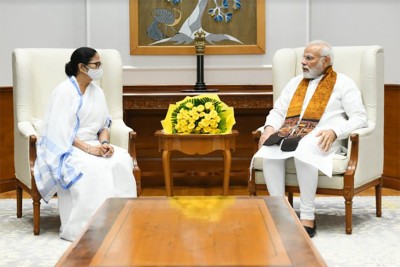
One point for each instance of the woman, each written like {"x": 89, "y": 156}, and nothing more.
{"x": 74, "y": 156}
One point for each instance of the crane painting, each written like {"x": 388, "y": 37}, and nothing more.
{"x": 163, "y": 28}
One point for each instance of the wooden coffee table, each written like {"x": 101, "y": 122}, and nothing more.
{"x": 194, "y": 231}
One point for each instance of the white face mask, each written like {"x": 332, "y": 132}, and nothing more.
{"x": 95, "y": 74}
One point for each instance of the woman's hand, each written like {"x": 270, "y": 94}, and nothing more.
{"x": 104, "y": 150}
{"x": 107, "y": 150}
{"x": 101, "y": 150}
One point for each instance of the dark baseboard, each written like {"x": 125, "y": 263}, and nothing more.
{"x": 391, "y": 182}
{"x": 7, "y": 185}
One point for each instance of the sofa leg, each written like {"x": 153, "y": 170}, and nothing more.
{"x": 19, "y": 201}
{"x": 349, "y": 215}
{"x": 251, "y": 187}
{"x": 36, "y": 208}
{"x": 251, "y": 184}
{"x": 378, "y": 200}
{"x": 138, "y": 188}
{"x": 290, "y": 198}
{"x": 36, "y": 216}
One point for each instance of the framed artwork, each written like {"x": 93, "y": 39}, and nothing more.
{"x": 167, "y": 27}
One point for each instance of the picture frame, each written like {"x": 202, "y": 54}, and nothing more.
{"x": 158, "y": 27}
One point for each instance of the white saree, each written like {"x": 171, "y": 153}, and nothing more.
{"x": 82, "y": 181}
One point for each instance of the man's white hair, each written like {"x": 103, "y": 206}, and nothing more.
{"x": 326, "y": 51}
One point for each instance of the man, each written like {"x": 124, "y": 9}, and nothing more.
{"x": 315, "y": 112}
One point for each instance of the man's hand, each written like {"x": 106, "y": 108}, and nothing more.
{"x": 326, "y": 140}
{"x": 269, "y": 130}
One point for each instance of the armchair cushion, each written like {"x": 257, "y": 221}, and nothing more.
{"x": 340, "y": 163}
{"x": 336, "y": 182}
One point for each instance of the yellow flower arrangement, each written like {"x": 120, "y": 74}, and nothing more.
{"x": 202, "y": 114}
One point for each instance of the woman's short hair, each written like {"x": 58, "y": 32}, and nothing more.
{"x": 80, "y": 55}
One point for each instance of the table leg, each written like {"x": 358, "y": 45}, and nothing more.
{"x": 166, "y": 157}
{"x": 227, "y": 170}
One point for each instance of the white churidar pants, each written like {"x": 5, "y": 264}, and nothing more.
{"x": 307, "y": 176}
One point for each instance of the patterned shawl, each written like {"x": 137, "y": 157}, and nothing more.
{"x": 293, "y": 129}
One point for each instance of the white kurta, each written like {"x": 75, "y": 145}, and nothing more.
{"x": 344, "y": 113}
{"x": 93, "y": 178}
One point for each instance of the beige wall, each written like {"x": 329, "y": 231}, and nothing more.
{"x": 289, "y": 23}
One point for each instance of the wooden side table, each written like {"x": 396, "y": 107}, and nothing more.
{"x": 195, "y": 144}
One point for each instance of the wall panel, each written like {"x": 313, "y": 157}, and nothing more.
{"x": 7, "y": 178}
{"x": 146, "y": 106}
{"x": 391, "y": 164}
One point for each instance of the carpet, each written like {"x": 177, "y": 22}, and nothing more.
{"x": 374, "y": 242}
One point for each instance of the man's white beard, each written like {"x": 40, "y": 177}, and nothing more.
{"x": 313, "y": 72}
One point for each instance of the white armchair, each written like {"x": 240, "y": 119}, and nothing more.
{"x": 36, "y": 72}
{"x": 362, "y": 166}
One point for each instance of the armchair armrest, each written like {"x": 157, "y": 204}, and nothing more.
{"x": 132, "y": 148}
{"x": 123, "y": 136}
{"x": 32, "y": 158}
{"x": 26, "y": 129}
{"x": 119, "y": 133}
{"x": 32, "y": 152}
{"x": 370, "y": 154}
{"x": 136, "y": 169}
{"x": 256, "y": 134}
{"x": 353, "y": 158}
{"x": 29, "y": 134}
{"x": 365, "y": 131}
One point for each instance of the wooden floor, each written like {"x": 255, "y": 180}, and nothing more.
{"x": 210, "y": 191}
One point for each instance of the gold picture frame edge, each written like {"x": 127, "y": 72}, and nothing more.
{"x": 136, "y": 49}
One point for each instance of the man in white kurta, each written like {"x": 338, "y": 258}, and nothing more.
{"x": 344, "y": 113}
{"x": 81, "y": 179}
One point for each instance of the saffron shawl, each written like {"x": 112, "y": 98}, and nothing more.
{"x": 344, "y": 113}
{"x": 294, "y": 128}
